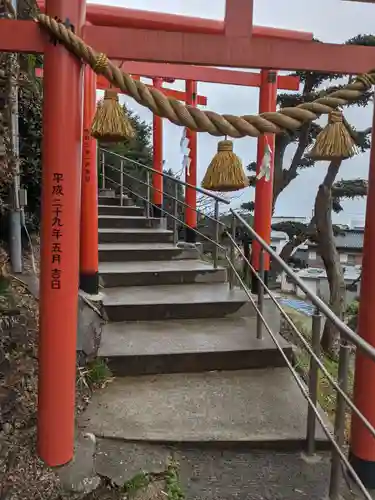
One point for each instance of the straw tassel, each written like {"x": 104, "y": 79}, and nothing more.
{"x": 225, "y": 172}
{"x": 335, "y": 141}
{"x": 110, "y": 123}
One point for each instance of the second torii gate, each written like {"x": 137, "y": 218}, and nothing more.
{"x": 267, "y": 81}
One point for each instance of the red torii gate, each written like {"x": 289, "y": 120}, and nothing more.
{"x": 267, "y": 102}
{"x": 233, "y": 45}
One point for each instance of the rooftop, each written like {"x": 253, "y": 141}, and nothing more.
{"x": 350, "y": 273}
{"x": 350, "y": 238}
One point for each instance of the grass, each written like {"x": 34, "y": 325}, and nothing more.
{"x": 138, "y": 482}
{"x": 172, "y": 480}
{"x": 167, "y": 483}
{"x": 98, "y": 372}
{"x": 94, "y": 375}
{"x": 327, "y": 395}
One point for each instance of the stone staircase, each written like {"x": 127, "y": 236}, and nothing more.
{"x": 183, "y": 349}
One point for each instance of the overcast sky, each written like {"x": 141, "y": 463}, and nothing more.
{"x": 330, "y": 21}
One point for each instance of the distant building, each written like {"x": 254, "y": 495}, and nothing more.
{"x": 316, "y": 280}
{"x": 286, "y": 218}
{"x": 278, "y": 240}
{"x": 349, "y": 245}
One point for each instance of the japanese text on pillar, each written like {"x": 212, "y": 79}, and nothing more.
{"x": 86, "y": 154}
{"x": 57, "y": 225}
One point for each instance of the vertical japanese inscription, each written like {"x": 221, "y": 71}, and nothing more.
{"x": 57, "y": 229}
{"x": 87, "y": 154}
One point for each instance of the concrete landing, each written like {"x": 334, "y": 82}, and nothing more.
{"x": 258, "y": 408}
{"x": 211, "y": 474}
{"x": 153, "y": 347}
{"x": 257, "y": 475}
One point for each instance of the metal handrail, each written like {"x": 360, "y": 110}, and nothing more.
{"x": 168, "y": 195}
{"x": 167, "y": 176}
{"x": 302, "y": 339}
{"x": 173, "y": 217}
{"x": 337, "y": 437}
{"x": 350, "y": 335}
{"x": 306, "y": 395}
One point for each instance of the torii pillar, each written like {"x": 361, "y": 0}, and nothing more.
{"x": 264, "y": 186}
{"x": 362, "y": 442}
{"x": 89, "y": 254}
{"x": 60, "y": 235}
{"x": 191, "y": 170}
{"x": 157, "y": 179}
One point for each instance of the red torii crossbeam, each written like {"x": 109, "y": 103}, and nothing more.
{"x": 219, "y": 50}
{"x": 103, "y": 84}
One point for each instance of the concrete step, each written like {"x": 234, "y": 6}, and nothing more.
{"x": 124, "y": 222}
{"x": 155, "y": 347}
{"x": 114, "y": 200}
{"x": 131, "y": 210}
{"x": 128, "y": 252}
{"x": 107, "y": 193}
{"x": 251, "y": 408}
{"x": 108, "y": 200}
{"x": 149, "y": 273}
{"x": 134, "y": 235}
{"x": 175, "y": 302}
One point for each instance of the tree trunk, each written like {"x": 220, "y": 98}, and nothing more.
{"x": 328, "y": 252}
{"x": 287, "y": 250}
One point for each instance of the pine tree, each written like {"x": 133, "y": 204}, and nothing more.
{"x": 331, "y": 191}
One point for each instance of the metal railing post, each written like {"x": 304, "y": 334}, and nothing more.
{"x": 313, "y": 382}
{"x": 232, "y": 275}
{"x": 217, "y": 228}
{"x": 260, "y": 295}
{"x": 103, "y": 170}
{"x": 148, "y": 195}
{"x": 339, "y": 429}
{"x": 175, "y": 214}
{"x": 121, "y": 182}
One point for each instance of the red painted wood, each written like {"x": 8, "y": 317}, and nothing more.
{"x": 157, "y": 129}
{"x": 103, "y": 84}
{"x": 180, "y": 48}
{"x": 239, "y": 18}
{"x": 205, "y": 74}
{"x": 89, "y": 256}
{"x": 109, "y": 15}
{"x": 216, "y": 50}
{"x": 60, "y": 238}
{"x": 191, "y": 172}
{"x": 263, "y": 188}
{"x": 21, "y": 36}
{"x": 362, "y": 441}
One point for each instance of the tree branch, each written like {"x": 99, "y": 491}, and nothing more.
{"x": 291, "y": 173}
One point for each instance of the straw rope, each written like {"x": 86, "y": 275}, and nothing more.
{"x": 287, "y": 119}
